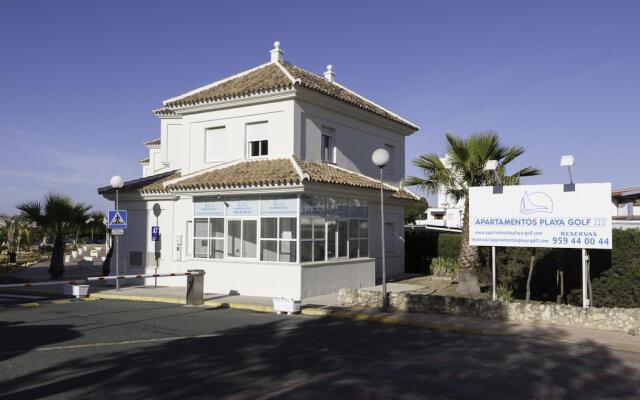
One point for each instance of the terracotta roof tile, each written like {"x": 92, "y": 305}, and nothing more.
{"x": 272, "y": 77}
{"x": 247, "y": 173}
{"x": 144, "y": 161}
{"x": 163, "y": 111}
{"x": 267, "y": 78}
{"x": 154, "y": 142}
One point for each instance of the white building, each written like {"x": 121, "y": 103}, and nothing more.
{"x": 265, "y": 180}
{"x": 447, "y": 214}
{"x": 626, "y": 208}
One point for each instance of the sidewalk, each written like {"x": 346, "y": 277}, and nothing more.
{"x": 327, "y": 305}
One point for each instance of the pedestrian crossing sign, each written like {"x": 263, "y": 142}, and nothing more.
{"x": 117, "y": 219}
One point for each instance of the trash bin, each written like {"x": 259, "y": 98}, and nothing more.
{"x": 195, "y": 287}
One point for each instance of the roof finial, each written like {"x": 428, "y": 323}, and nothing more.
{"x": 329, "y": 75}
{"x": 277, "y": 55}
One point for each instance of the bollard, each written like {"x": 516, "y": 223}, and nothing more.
{"x": 195, "y": 287}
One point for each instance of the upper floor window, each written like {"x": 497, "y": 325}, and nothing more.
{"x": 258, "y": 148}
{"x": 257, "y": 139}
{"x": 327, "y": 145}
{"x": 214, "y": 150}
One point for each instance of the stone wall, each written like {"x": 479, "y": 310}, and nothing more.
{"x": 606, "y": 319}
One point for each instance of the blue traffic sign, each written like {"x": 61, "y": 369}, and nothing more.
{"x": 117, "y": 219}
{"x": 155, "y": 233}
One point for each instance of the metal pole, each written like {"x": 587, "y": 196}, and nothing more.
{"x": 585, "y": 278}
{"x": 384, "y": 266}
{"x": 117, "y": 250}
{"x": 494, "y": 296}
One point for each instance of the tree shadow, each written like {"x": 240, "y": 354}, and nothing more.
{"x": 334, "y": 358}
{"x": 31, "y": 337}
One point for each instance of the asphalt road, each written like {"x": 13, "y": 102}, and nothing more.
{"x": 111, "y": 349}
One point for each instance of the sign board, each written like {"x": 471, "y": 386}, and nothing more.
{"x": 117, "y": 219}
{"x": 117, "y": 232}
{"x": 155, "y": 233}
{"x": 209, "y": 208}
{"x": 279, "y": 206}
{"x": 242, "y": 207}
{"x": 541, "y": 216}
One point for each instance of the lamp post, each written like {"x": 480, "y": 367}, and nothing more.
{"x": 117, "y": 183}
{"x": 568, "y": 160}
{"x": 90, "y": 221}
{"x": 492, "y": 165}
{"x": 380, "y": 158}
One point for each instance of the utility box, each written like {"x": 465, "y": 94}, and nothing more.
{"x": 195, "y": 287}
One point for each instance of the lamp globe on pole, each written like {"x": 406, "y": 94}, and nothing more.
{"x": 380, "y": 159}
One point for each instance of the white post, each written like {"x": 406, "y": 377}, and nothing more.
{"x": 494, "y": 295}
{"x": 585, "y": 279}
{"x": 384, "y": 268}
{"x": 117, "y": 250}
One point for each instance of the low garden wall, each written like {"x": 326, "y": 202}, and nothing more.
{"x": 606, "y": 319}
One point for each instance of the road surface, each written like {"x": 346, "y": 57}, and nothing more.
{"x": 116, "y": 349}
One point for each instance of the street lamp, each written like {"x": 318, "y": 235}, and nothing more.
{"x": 90, "y": 221}
{"x": 117, "y": 183}
{"x": 380, "y": 158}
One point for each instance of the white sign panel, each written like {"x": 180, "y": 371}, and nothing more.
{"x": 243, "y": 207}
{"x": 541, "y": 216}
{"x": 279, "y": 206}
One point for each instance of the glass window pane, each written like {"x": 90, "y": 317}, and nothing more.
{"x": 268, "y": 250}
{"x": 233, "y": 238}
{"x": 353, "y": 248}
{"x": 318, "y": 228}
{"x": 249, "y": 238}
{"x": 342, "y": 238}
{"x": 201, "y": 227}
{"x": 269, "y": 228}
{"x": 364, "y": 248}
{"x": 306, "y": 228}
{"x": 264, "y": 144}
{"x": 305, "y": 251}
{"x": 254, "y": 148}
{"x": 354, "y": 228}
{"x": 200, "y": 248}
{"x": 287, "y": 251}
{"x": 217, "y": 227}
{"x": 332, "y": 236}
{"x": 364, "y": 228}
{"x": 318, "y": 250}
{"x": 288, "y": 228}
{"x": 313, "y": 205}
{"x": 216, "y": 248}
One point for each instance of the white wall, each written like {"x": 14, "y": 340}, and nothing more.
{"x": 355, "y": 140}
{"x": 394, "y": 259}
{"x": 329, "y": 277}
{"x": 279, "y": 116}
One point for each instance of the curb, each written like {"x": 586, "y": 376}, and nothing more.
{"x": 40, "y": 303}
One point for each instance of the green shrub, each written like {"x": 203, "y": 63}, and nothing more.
{"x": 618, "y": 286}
{"x": 449, "y": 245}
{"x": 504, "y": 293}
{"x": 444, "y": 267}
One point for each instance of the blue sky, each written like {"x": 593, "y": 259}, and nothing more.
{"x": 78, "y": 79}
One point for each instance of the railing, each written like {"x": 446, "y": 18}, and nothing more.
{"x": 195, "y": 283}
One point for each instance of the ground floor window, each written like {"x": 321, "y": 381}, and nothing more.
{"x": 242, "y": 238}
{"x": 208, "y": 238}
{"x": 312, "y": 238}
{"x": 278, "y": 239}
{"x": 358, "y": 238}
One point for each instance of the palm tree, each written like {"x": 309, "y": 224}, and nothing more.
{"x": 464, "y": 164}
{"x": 57, "y": 216}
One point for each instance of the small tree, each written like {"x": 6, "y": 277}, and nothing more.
{"x": 16, "y": 230}
{"x": 464, "y": 168}
{"x": 57, "y": 216}
{"x": 415, "y": 211}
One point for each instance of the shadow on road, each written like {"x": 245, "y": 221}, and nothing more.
{"x": 331, "y": 358}
{"x": 31, "y": 337}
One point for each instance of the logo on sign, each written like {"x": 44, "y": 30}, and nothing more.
{"x": 536, "y": 202}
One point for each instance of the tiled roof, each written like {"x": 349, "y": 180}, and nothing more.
{"x": 626, "y": 191}
{"x": 243, "y": 174}
{"x": 144, "y": 161}
{"x": 164, "y": 111}
{"x": 154, "y": 142}
{"x": 627, "y": 218}
{"x": 267, "y": 78}
{"x": 277, "y": 76}
{"x": 146, "y": 185}
{"x": 282, "y": 171}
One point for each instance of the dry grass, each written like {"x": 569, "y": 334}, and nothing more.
{"x": 439, "y": 287}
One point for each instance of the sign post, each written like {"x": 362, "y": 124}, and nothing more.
{"x": 551, "y": 216}
{"x": 117, "y": 222}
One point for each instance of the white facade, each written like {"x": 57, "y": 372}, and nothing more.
{"x": 448, "y": 213}
{"x": 296, "y": 122}
{"x": 625, "y": 204}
